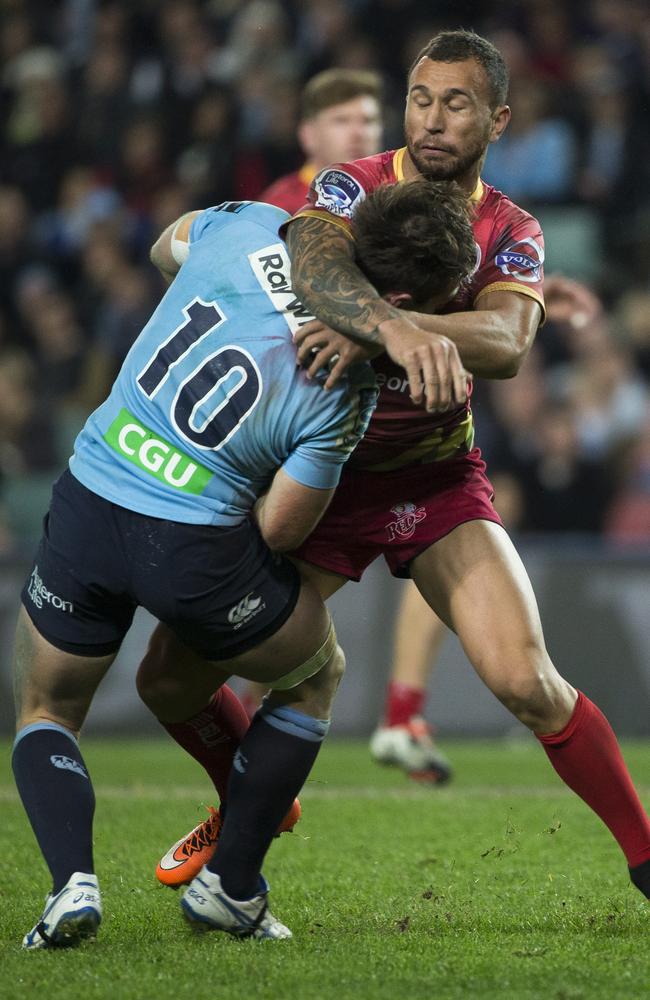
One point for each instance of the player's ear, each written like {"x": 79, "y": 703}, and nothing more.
{"x": 500, "y": 119}
{"x": 401, "y": 300}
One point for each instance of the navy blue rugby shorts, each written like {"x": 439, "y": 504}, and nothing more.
{"x": 221, "y": 590}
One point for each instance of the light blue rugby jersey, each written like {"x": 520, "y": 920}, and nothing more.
{"x": 209, "y": 401}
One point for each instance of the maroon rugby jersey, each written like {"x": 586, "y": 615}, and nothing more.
{"x": 511, "y": 255}
{"x": 290, "y": 192}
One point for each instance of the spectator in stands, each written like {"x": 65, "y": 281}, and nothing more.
{"x": 515, "y": 165}
{"x": 628, "y": 519}
{"x": 561, "y": 490}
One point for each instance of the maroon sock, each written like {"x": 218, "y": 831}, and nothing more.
{"x": 587, "y": 757}
{"x": 213, "y": 735}
{"x": 402, "y": 703}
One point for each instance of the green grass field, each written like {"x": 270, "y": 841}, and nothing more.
{"x": 503, "y": 884}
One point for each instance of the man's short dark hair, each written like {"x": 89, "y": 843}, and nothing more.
{"x": 336, "y": 86}
{"x": 456, "y": 46}
{"x": 415, "y": 237}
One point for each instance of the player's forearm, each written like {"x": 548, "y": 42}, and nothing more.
{"x": 489, "y": 344}
{"x": 288, "y": 512}
{"x": 328, "y": 282}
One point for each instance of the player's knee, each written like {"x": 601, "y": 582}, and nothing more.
{"x": 538, "y": 698}
{"x": 315, "y": 694}
{"x": 335, "y": 668}
{"x": 325, "y": 684}
{"x": 328, "y": 678}
{"x": 519, "y": 693}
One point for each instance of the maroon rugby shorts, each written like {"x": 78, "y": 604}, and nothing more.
{"x": 398, "y": 514}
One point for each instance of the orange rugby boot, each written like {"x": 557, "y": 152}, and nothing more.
{"x": 185, "y": 859}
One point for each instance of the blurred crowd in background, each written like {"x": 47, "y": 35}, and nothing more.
{"x": 117, "y": 117}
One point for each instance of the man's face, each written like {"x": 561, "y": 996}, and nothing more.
{"x": 436, "y": 302}
{"x": 343, "y": 132}
{"x": 449, "y": 122}
{"x": 432, "y": 305}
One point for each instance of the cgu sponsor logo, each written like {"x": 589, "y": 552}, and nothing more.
{"x": 40, "y": 595}
{"x": 160, "y": 459}
{"x": 272, "y": 268}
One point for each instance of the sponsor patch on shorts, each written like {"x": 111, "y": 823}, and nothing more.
{"x": 40, "y": 595}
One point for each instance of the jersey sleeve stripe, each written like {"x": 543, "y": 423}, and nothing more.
{"x": 314, "y": 213}
{"x": 512, "y": 286}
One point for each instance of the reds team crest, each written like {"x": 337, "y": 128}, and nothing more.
{"x": 407, "y": 516}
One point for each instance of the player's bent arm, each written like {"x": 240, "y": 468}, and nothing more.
{"x": 494, "y": 339}
{"x": 289, "y": 512}
{"x": 172, "y": 247}
{"x": 326, "y": 279}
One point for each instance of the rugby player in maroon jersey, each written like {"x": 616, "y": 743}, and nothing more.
{"x": 418, "y": 493}
{"x": 340, "y": 119}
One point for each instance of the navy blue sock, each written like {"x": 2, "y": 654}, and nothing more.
{"x": 58, "y": 797}
{"x": 269, "y": 769}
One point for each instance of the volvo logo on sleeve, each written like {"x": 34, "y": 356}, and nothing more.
{"x": 337, "y": 192}
{"x": 522, "y": 260}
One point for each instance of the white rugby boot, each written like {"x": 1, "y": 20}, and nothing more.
{"x": 207, "y": 907}
{"x": 411, "y": 748}
{"x": 72, "y": 916}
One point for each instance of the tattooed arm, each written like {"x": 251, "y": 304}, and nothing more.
{"x": 327, "y": 280}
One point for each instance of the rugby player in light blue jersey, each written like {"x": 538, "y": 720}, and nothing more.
{"x": 209, "y": 402}
{"x": 212, "y": 450}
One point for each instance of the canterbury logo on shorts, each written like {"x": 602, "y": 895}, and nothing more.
{"x": 248, "y": 608}
{"x": 155, "y": 456}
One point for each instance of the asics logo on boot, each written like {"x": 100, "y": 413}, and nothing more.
{"x": 88, "y": 897}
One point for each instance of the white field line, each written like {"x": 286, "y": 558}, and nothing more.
{"x": 326, "y": 793}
